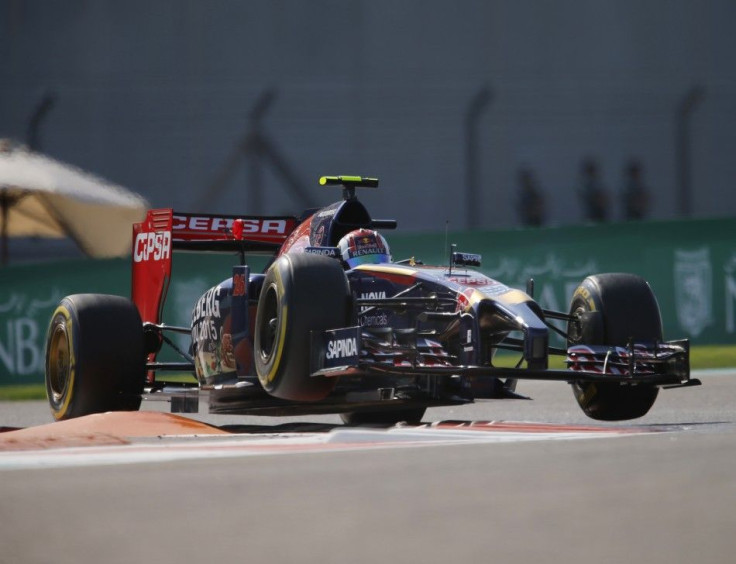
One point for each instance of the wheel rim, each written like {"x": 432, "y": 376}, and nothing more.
{"x": 268, "y": 330}
{"x": 59, "y": 366}
{"x": 574, "y": 331}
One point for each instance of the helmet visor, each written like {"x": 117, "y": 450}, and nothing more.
{"x": 373, "y": 258}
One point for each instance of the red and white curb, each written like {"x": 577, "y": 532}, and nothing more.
{"x": 189, "y": 447}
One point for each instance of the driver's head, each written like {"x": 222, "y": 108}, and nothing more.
{"x": 364, "y": 246}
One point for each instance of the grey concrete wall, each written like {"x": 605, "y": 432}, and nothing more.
{"x": 156, "y": 96}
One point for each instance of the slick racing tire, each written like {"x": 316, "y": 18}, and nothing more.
{"x": 95, "y": 359}
{"x": 611, "y": 309}
{"x": 412, "y": 416}
{"x": 301, "y": 293}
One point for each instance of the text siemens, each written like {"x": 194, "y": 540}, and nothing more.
{"x": 152, "y": 246}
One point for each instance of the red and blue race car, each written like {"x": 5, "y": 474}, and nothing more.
{"x": 334, "y": 324}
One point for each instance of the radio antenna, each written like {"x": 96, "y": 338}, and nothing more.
{"x": 447, "y": 224}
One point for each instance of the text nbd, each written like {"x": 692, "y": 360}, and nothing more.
{"x": 152, "y": 246}
{"x": 342, "y": 348}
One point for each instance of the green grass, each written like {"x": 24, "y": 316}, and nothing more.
{"x": 38, "y": 391}
{"x": 713, "y": 356}
{"x": 701, "y": 358}
{"x": 24, "y": 392}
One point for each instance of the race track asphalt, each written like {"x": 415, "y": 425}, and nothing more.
{"x": 657, "y": 490}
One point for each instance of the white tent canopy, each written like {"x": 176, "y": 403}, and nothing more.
{"x": 42, "y": 197}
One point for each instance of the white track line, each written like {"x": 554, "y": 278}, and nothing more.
{"x": 233, "y": 446}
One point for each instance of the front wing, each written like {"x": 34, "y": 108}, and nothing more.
{"x": 350, "y": 351}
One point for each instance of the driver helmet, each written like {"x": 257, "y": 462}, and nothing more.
{"x": 364, "y": 246}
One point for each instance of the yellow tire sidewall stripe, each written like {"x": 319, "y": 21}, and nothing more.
{"x": 283, "y": 315}
{"x": 66, "y": 400}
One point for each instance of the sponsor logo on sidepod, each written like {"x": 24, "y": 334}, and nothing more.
{"x": 372, "y": 295}
{"x": 152, "y": 246}
{"x": 342, "y": 348}
{"x": 332, "y": 252}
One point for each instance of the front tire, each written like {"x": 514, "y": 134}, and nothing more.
{"x": 95, "y": 359}
{"x": 301, "y": 293}
{"x": 612, "y": 309}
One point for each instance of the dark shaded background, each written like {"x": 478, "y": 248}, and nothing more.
{"x": 160, "y": 96}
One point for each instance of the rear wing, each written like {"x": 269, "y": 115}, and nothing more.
{"x": 164, "y": 231}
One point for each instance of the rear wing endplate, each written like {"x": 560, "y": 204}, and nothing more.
{"x": 165, "y": 230}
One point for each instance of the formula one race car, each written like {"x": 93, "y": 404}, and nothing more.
{"x": 333, "y": 325}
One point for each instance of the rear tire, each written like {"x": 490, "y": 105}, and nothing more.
{"x": 611, "y": 309}
{"x": 301, "y": 293}
{"x": 95, "y": 358}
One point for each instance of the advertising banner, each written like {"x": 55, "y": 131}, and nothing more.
{"x": 690, "y": 265}
{"x": 29, "y": 295}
